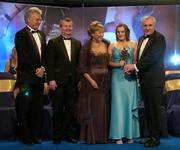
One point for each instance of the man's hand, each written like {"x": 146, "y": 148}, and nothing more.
{"x": 52, "y": 85}
{"x": 128, "y": 68}
{"x": 40, "y": 72}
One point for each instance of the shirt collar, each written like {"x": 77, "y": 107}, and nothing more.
{"x": 31, "y": 29}
{"x": 65, "y": 38}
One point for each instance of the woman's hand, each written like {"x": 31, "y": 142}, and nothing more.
{"x": 94, "y": 84}
{"x": 122, "y": 63}
{"x": 91, "y": 81}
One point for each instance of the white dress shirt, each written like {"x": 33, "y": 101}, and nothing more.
{"x": 141, "y": 51}
{"x": 68, "y": 48}
{"x": 37, "y": 39}
{"x": 143, "y": 46}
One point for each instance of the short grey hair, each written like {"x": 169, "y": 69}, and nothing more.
{"x": 30, "y": 11}
{"x": 148, "y": 17}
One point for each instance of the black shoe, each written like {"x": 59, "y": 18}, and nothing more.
{"x": 152, "y": 142}
{"x": 73, "y": 140}
{"x": 36, "y": 141}
{"x": 142, "y": 141}
{"x": 56, "y": 141}
{"x": 27, "y": 142}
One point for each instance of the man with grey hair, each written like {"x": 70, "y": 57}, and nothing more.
{"x": 30, "y": 44}
{"x": 150, "y": 69}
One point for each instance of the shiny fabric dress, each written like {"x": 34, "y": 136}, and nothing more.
{"x": 124, "y": 100}
{"x": 93, "y": 103}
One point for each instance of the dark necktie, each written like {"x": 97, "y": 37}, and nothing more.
{"x": 34, "y": 31}
{"x": 146, "y": 36}
{"x": 64, "y": 38}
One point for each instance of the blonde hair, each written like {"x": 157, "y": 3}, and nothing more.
{"x": 30, "y": 11}
{"x": 94, "y": 26}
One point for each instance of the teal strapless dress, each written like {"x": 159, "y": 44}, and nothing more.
{"x": 124, "y": 101}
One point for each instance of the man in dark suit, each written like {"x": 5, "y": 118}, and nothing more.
{"x": 150, "y": 68}
{"x": 30, "y": 44}
{"x": 62, "y": 62}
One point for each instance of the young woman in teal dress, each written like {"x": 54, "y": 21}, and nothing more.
{"x": 124, "y": 88}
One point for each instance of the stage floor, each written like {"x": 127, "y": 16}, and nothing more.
{"x": 168, "y": 143}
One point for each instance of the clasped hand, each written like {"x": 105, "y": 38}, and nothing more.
{"x": 128, "y": 68}
{"x": 40, "y": 72}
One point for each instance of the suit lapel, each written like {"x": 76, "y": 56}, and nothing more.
{"x": 146, "y": 47}
{"x": 151, "y": 39}
{"x": 34, "y": 42}
{"x": 72, "y": 49}
{"x": 63, "y": 47}
{"x": 43, "y": 43}
{"x": 139, "y": 46}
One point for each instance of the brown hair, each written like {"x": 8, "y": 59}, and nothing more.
{"x": 127, "y": 31}
{"x": 68, "y": 19}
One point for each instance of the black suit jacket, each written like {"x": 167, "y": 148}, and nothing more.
{"x": 58, "y": 66}
{"x": 28, "y": 56}
{"x": 151, "y": 63}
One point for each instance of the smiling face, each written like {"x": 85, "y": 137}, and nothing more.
{"x": 120, "y": 33}
{"x": 34, "y": 20}
{"x": 66, "y": 28}
{"x": 148, "y": 26}
{"x": 98, "y": 35}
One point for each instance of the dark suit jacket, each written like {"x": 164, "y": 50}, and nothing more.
{"x": 151, "y": 63}
{"x": 28, "y": 56}
{"x": 58, "y": 66}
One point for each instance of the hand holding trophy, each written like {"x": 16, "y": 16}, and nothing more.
{"x": 124, "y": 55}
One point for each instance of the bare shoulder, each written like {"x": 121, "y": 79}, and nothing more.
{"x": 113, "y": 43}
{"x": 133, "y": 43}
